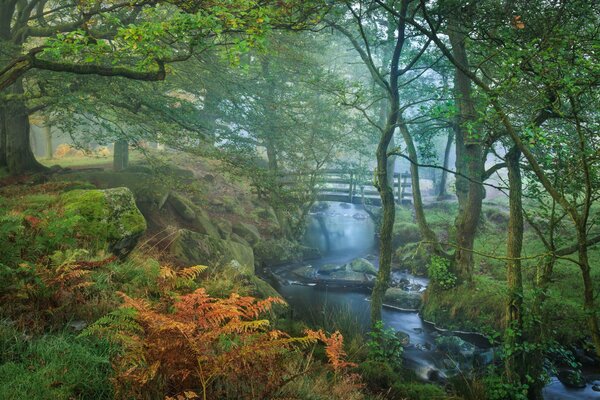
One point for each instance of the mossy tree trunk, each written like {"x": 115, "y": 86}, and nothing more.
{"x": 386, "y": 192}
{"x": 426, "y": 233}
{"x": 17, "y": 146}
{"x": 469, "y": 160}
{"x": 442, "y": 191}
{"x": 515, "y": 365}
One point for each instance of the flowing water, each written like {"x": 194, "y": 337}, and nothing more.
{"x": 344, "y": 232}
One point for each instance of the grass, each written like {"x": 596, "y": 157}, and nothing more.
{"x": 481, "y": 306}
{"x": 53, "y": 366}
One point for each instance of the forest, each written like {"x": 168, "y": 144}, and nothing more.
{"x": 300, "y": 199}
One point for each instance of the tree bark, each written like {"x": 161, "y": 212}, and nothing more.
{"x": 386, "y": 192}
{"x": 19, "y": 156}
{"x": 516, "y": 363}
{"x": 120, "y": 155}
{"x": 469, "y": 161}
{"x": 442, "y": 192}
{"x": 426, "y": 233}
{"x": 3, "y": 116}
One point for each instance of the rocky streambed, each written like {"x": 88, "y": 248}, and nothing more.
{"x": 341, "y": 281}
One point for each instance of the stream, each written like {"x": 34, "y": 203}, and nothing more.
{"x": 344, "y": 232}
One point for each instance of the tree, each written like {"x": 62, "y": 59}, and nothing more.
{"x": 134, "y": 40}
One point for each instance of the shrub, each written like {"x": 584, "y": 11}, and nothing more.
{"x": 385, "y": 346}
{"x": 217, "y": 347}
{"x": 418, "y": 391}
{"x": 440, "y": 274}
{"x": 377, "y": 375}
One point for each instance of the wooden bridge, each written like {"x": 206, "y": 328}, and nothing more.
{"x": 357, "y": 187}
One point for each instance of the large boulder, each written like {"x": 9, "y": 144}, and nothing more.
{"x": 397, "y": 297}
{"x": 362, "y": 265}
{"x": 248, "y": 232}
{"x": 571, "y": 378}
{"x": 109, "y": 218}
{"x": 191, "y": 248}
{"x": 194, "y": 215}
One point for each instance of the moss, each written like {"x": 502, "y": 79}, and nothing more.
{"x": 477, "y": 307}
{"x": 405, "y": 232}
{"x": 418, "y": 391}
{"x": 109, "y": 217}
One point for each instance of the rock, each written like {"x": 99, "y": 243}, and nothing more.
{"x": 596, "y": 388}
{"x": 433, "y": 375}
{"x": 276, "y": 252}
{"x": 225, "y": 228}
{"x": 571, "y": 378}
{"x": 306, "y": 272}
{"x": 360, "y": 216}
{"x": 203, "y": 224}
{"x": 108, "y": 216}
{"x": 330, "y": 268}
{"x": 319, "y": 207}
{"x": 77, "y": 325}
{"x": 309, "y": 253}
{"x": 345, "y": 206}
{"x": 404, "y": 338}
{"x": 402, "y": 299}
{"x": 182, "y": 206}
{"x": 192, "y": 248}
{"x": 248, "y": 232}
{"x": 362, "y": 265}
{"x": 349, "y": 277}
{"x": 455, "y": 347}
{"x": 238, "y": 239}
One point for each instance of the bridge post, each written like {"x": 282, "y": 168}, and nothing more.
{"x": 351, "y": 190}
{"x": 400, "y": 189}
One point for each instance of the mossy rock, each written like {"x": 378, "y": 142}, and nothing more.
{"x": 225, "y": 228}
{"x": 248, "y": 232}
{"x": 276, "y": 252}
{"x": 203, "y": 223}
{"x": 191, "y": 248}
{"x": 405, "y": 232}
{"x": 397, "y": 297}
{"x": 362, "y": 265}
{"x": 331, "y": 268}
{"x": 182, "y": 206}
{"x": 108, "y": 216}
{"x": 238, "y": 239}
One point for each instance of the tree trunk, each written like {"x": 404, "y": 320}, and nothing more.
{"x": 388, "y": 205}
{"x": 426, "y": 233}
{"x": 588, "y": 289}
{"x": 442, "y": 192}
{"x": 469, "y": 162}
{"x": 19, "y": 156}
{"x": 120, "y": 155}
{"x": 516, "y": 363}
{"x": 48, "y": 136}
{"x": 3, "y": 162}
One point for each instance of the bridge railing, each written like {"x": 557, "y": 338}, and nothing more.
{"x": 355, "y": 186}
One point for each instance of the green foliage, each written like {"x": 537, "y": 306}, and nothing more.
{"x": 440, "y": 274}
{"x": 498, "y": 389}
{"x": 418, "y": 391}
{"x": 385, "y": 346}
{"x": 377, "y": 375}
{"x": 57, "y": 366}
